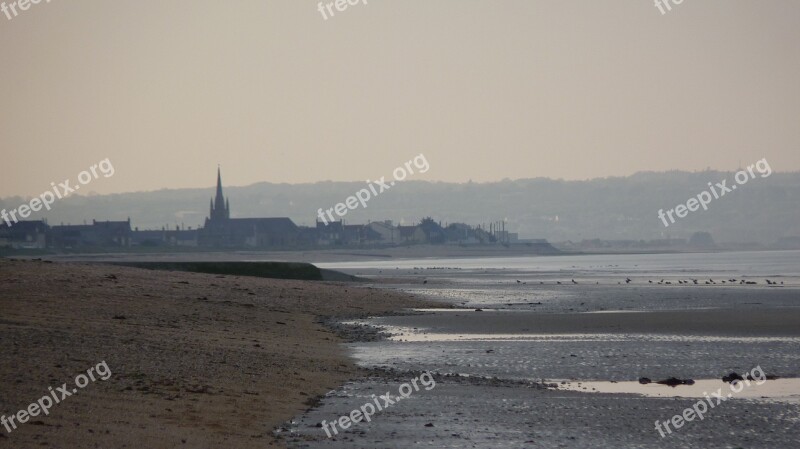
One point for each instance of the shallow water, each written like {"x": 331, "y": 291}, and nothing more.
{"x": 619, "y": 412}
{"x": 406, "y": 334}
{"x": 778, "y": 264}
{"x": 774, "y": 390}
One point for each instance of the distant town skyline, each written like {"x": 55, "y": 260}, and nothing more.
{"x": 486, "y": 90}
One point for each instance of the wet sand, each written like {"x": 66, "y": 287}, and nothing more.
{"x": 197, "y": 360}
{"x": 513, "y": 417}
{"x": 784, "y": 321}
{"x": 539, "y": 328}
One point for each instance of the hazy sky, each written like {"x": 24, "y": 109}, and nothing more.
{"x": 485, "y": 89}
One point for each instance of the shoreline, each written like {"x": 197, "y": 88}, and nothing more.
{"x": 197, "y": 359}
{"x": 350, "y": 255}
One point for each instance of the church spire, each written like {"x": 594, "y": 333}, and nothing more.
{"x": 219, "y": 201}
{"x": 219, "y": 206}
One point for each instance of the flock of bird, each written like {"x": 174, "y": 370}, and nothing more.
{"x": 681, "y": 282}
{"x": 711, "y": 281}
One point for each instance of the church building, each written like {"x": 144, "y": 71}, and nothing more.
{"x": 220, "y": 230}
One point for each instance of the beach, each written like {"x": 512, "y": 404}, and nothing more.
{"x": 525, "y": 352}
{"x": 197, "y": 360}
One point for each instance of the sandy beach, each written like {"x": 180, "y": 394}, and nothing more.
{"x": 197, "y": 360}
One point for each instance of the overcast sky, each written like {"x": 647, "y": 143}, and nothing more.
{"x": 485, "y": 89}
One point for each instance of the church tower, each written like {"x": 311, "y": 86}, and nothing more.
{"x": 217, "y": 229}
{"x": 220, "y": 207}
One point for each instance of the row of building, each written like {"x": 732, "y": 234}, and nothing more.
{"x": 222, "y": 231}
{"x": 256, "y": 233}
